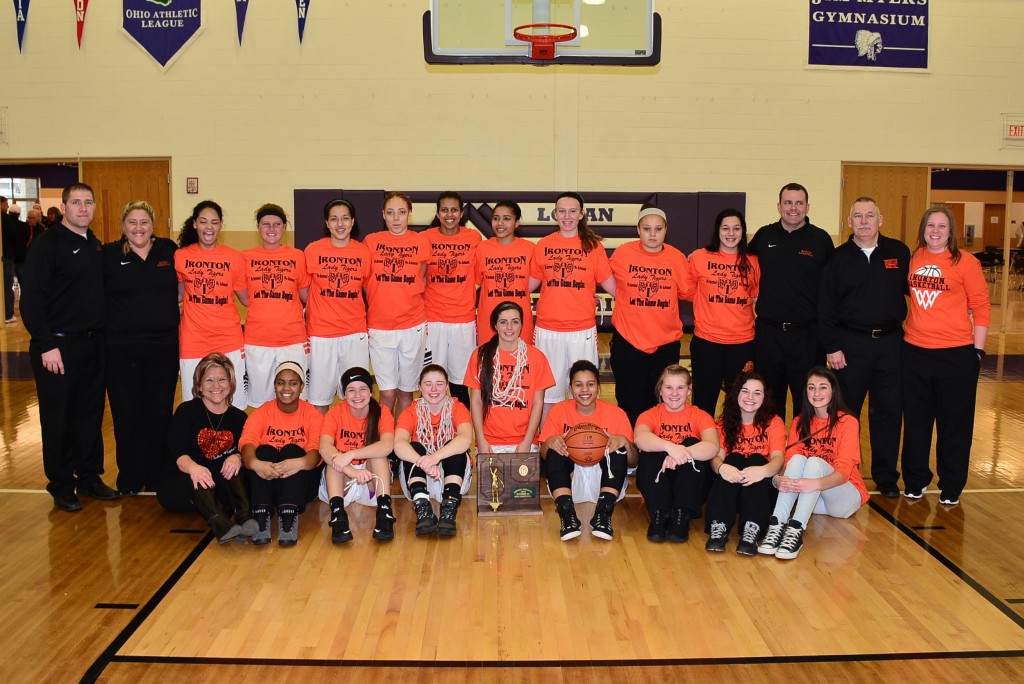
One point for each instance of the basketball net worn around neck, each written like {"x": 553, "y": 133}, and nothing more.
{"x": 512, "y": 393}
{"x": 433, "y": 440}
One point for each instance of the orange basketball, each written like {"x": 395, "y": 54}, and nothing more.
{"x": 586, "y": 443}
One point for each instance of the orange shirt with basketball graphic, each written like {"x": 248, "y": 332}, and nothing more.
{"x": 209, "y": 317}
{"x": 270, "y": 425}
{"x": 503, "y": 273}
{"x": 676, "y": 426}
{"x": 408, "y": 421}
{"x": 839, "y": 448}
{"x": 754, "y": 441}
{"x": 450, "y": 295}
{"x": 274, "y": 278}
{"x": 394, "y": 291}
{"x": 569, "y": 279}
{"x": 337, "y": 276}
{"x": 506, "y": 425}
{"x": 941, "y": 295}
{"x": 723, "y": 305}
{"x": 349, "y": 432}
{"x": 563, "y": 416}
{"x": 648, "y": 288}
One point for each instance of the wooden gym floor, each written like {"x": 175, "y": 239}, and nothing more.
{"x": 124, "y": 592}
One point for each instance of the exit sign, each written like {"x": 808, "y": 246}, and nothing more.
{"x": 1013, "y": 130}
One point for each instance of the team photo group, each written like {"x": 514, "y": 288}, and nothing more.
{"x": 441, "y": 324}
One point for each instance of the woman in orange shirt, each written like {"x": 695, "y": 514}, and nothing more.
{"x": 210, "y": 277}
{"x": 339, "y": 267}
{"x": 503, "y": 270}
{"x": 943, "y": 345}
{"x": 821, "y": 473}
{"x": 724, "y": 288}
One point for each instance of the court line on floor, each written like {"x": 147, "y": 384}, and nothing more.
{"x": 949, "y": 564}
{"x": 105, "y": 658}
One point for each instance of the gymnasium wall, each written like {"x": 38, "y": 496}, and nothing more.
{"x": 732, "y": 107}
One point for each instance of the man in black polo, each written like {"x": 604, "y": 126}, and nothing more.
{"x": 792, "y": 253}
{"x": 62, "y": 308}
{"x": 860, "y": 316}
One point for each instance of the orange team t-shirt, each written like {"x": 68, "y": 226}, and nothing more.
{"x": 336, "y": 307}
{"x": 270, "y": 425}
{"x": 407, "y": 419}
{"x": 569, "y": 281}
{"x": 395, "y": 290}
{"x": 503, "y": 273}
{"x": 676, "y": 426}
{"x": 840, "y": 448}
{"x": 648, "y": 289}
{"x": 274, "y": 278}
{"x": 752, "y": 441}
{"x": 723, "y": 307}
{"x": 209, "y": 317}
{"x": 506, "y": 425}
{"x": 940, "y": 295}
{"x": 450, "y": 295}
{"x": 349, "y": 432}
{"x": 564, "y": 415}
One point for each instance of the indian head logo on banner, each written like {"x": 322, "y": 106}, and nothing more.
{"x": 163, "y": 28}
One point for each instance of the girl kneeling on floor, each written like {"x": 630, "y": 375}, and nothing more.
{"x": 822, "y": 467}
{"x": 356, "y": 439}
{"x": 279, "y": 448}
{"x": 604, "y": 482}
{"x": 433, "y": 438}
{"x": 753, "y": 449}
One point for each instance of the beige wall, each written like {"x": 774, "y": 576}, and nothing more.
{"x": 733, "y": 105}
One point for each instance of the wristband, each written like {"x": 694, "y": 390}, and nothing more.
{"x": 981, "y": 353}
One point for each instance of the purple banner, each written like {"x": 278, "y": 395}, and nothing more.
{"x": 21, "y": 18}
{"x": 858, "y": 34}
{"x": 162, "y": 27}
{"x": 301, "y": 9}
{"x": 241, "y": 7}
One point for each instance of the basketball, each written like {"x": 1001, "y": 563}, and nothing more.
{"x": 586, "y": 443}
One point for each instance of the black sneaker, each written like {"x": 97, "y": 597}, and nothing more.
{"x": 601, "y": 523}
{"x": 792, "y": 541}
{"x": 426, "y": 521}
{"x": 678, "y": 527}
{"x": 287, "y": 528}
{"x": 772, "y": 537}
{"x": 748, "y": 539}
{"x": 340, "y": 532}
{"x": 914, "y": 494}
{"x": 570, "y": 526}
{"x": 890, "y": 490}
{"x": 718, "y": 536}
{"x": 97, "y": 489}
{"x": 384, "y": 528}
{"x": 262, "y": 535}
{"x": 949, "y": 499}
{"x": 659, "y": 523}
{"x": 446, "y": 523}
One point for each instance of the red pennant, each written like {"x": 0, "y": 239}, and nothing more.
{"x": 81, "y": 7}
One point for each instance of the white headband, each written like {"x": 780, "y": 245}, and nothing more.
{"x": 652, "y": 211}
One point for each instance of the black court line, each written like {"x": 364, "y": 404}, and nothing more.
{"x": 658, "y": 662}
{"x": 117, "y": 606}
{"x": 1020, "y": 600}
{"x": 950, "y": 565}
{"x": 104, "y": 659}
{"x": 928, "y": 527}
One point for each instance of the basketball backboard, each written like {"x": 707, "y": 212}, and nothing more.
{"x": 608, "y": 32}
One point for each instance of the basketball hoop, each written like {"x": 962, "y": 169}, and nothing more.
{"x": 542, "y": 45}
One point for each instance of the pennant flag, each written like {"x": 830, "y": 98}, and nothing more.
{"x": 81, "y": 7}
{"x": 301, "y": 8}
{"x": 162, "y": 27}
{"x": 241, "y": 6}
{"x": 21, "y": 17}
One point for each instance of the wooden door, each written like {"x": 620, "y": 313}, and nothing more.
{"x": 901, "y": 193}
{"x": 992, "y": 228}
{"x": 120, "y": 181}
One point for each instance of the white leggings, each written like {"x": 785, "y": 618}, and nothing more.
{"x": 839, "y": 502}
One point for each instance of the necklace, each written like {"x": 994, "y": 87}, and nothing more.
{"x": 209, "y": 418}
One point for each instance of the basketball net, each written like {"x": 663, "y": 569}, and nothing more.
{"x": 512, "y": 393}
{"x": 432, "y": 440}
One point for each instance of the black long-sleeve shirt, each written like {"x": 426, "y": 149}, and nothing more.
{"x": 207, "y": 438}
{"x": 791, "y": 266}
{"x": 63, "y": 285}
{"x": 863, "y": 292}
{"x": 141, "y": 295}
